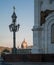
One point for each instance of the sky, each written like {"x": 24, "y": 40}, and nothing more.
{"x": 25, "y": 17}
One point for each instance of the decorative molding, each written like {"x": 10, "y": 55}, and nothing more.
{"x": 37, "y": 29}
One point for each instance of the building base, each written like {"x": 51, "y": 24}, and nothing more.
{"x": 28, "y": 57}
{"x": 14, "y": 50}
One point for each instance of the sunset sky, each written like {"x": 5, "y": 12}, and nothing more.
{"x": 25, "y": 17}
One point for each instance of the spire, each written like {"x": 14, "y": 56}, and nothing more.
{"x": 14, "y": 15}
{"x": 24, "y": 44}
{"x": 13, "y": 8}
{"x": 24, "y": 39}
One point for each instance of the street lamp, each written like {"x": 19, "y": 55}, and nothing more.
{"x": 14, "y": 28}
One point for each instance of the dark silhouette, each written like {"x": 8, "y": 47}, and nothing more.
{"x": 14, "y": 28}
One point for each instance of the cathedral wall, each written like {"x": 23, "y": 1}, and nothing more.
{"x": 41, "y": 33}
{"x": 43, "y": 40}
{"x": 49, "y": 47}
{"x": 35, "y": 48}
{"x": 47, "y": 4}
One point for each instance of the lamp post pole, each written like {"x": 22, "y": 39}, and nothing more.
{"x": 14, "y": 41}
{"x": 14, "y": 28}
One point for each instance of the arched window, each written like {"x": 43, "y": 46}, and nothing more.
{"x": 52, "y": 33}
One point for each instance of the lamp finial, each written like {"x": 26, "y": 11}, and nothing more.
{"x": 13, "y": 8}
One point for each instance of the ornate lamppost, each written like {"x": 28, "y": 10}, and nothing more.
{"x": 14, "y": 28}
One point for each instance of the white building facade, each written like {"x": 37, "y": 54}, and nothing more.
{"x": 43, "y": 29}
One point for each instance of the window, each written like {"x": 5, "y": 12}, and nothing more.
{"x": 52, "y": 33}
{"x": 51, "y": 1}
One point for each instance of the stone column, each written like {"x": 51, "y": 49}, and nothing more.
{"x": 37, "y": 30}
{"x": 37, "y": 13}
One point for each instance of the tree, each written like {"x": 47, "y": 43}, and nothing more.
{"x": 5, "y": 51}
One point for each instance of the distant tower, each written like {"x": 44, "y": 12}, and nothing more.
{"x": 24, "y": 44}
{"x": 14, "y": 28}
